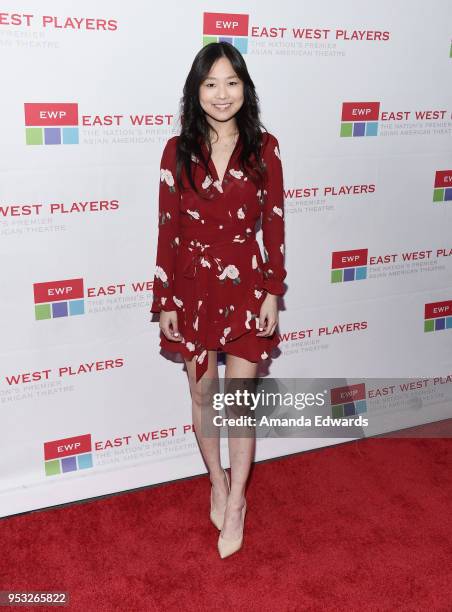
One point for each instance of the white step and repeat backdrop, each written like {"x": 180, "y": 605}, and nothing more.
{"x": 359, "y": 96}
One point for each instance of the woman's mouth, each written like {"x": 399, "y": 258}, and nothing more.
{"x": 222, "y": 106}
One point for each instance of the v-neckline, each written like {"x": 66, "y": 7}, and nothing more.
{"x": 212, "y": 165}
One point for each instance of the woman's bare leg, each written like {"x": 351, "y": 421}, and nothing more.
{"x": 242, "y": 446}
{"x": 209, "y": 443}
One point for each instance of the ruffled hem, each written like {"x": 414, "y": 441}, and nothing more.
{"x": 253, "y": 352}
{"x": 243, "y": 322}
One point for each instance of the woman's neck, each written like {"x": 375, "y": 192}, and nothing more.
{"x": 225, "y": 132}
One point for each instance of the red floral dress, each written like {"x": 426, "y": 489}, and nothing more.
{"x": 209, "y": 266}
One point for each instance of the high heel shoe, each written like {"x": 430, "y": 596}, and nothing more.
{"x": 228, "y": 547}
{"x": 216, "y": 516}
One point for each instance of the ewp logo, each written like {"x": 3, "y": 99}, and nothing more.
{"x": 442, "y": 191}
{"x": 50, "y": 124}
{"x": 348, "y": 265}
{"x": 349, "y": 400}
{"x": 59, "y": 299}
{"x": 438, "y": 316}
{"x": 226, "y": 27}
{"x": 360, "y": 118}
{"x": 68, "y": 455}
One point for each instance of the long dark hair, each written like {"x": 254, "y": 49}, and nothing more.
{"x": 194, "y": 125}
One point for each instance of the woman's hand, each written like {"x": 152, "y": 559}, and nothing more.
{"x": 168, "y": 325}
{"x": 268, "y": 316}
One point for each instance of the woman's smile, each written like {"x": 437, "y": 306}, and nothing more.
{"x": 224, "y": 106}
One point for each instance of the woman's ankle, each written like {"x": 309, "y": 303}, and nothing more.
{"x": 217, "y": 477}
{"x": 236, "y": 502}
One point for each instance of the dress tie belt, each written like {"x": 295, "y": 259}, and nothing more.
{"x": 201, "y": 260}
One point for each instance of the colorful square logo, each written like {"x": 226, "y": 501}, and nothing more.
{"x": 57, "y": 299}
{"x": 68, "y": 455}
{"x": 226, "y": 27}
{"x": 438, "y": 316}
{"x": 442, "y": 189}
{"x": 359, "y": 119}
{"x": 51, "y": 123}
{"x": 348, "y": 401}
{"x": 348, "y": 265}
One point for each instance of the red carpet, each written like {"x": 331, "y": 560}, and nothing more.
{"x": 365, "y": 525}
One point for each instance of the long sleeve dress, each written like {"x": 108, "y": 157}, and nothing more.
{"x": 209, "y": 266}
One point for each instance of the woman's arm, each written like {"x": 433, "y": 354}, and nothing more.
{"x": 273, "y": 220}
{"x": 168, "y": 231}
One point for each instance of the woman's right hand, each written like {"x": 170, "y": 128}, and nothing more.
{"x": 168, "y": 325}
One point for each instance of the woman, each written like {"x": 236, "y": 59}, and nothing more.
{"x": 211, "y": 285}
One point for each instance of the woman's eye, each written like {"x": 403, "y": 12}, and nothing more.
{"x": 233, "y": 83}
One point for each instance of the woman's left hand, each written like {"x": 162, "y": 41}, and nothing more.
{"x": 268, "y": 316}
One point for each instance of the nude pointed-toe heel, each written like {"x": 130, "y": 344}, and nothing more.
{"x": 216, "y": 516}
{"x": 228, "y": 547}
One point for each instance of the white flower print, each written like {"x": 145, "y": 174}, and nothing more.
{"x": 163, "y": 300}
{"x": 205, "y": 263}
{"x": 254, "y": 262}
{"x": 236, "y": 173}
{"x": 176, "y": 239}
{"x": 193, "y": 213}
{"x": 276, "y": 150}
{"x": 230, "y": 271}
{"x": 220, "y": 227}
{"x": 240, "y": 213}
{"x": 238, "y": 238}
{"x": 231, "y": 307}
{"x": 257, "y": 293}
{"x": 223, "y": 340}
{"x": 177, "y": 301}
{"x": 167, "y": 176}
{"x": 207, "y": 181}
{"x": 194, "y": 158}
{"x": 226, "y": 331}
{"x": 217, "y": 184}
{"x": 195, "y": 323}
{"x": 248, "y": 319}
{"x": 264, "y": 355}
{"x": 200, "y": 358}
{"x": 199, "y": 304}
{"x": 281, "y": 248}
{"x": 161, "y": 274}
{"x": 278, "y": 211}
{"x": 190, "y": 346}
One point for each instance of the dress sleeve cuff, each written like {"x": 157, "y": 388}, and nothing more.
{"x": 162, "y": 303}
{"x": 273, "y": 284}
{"x": 274, "y": 287}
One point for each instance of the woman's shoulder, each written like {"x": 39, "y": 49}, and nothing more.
{"x": 169, "y": 149}
{"x": 269, "y": 143}
{"x": 268, "y": 137}
{"x": 171, "y": 142}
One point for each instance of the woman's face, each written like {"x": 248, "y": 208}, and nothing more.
{"x": 221, "y": 92}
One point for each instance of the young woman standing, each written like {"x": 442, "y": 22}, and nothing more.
{"x": 213, "y": 289}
